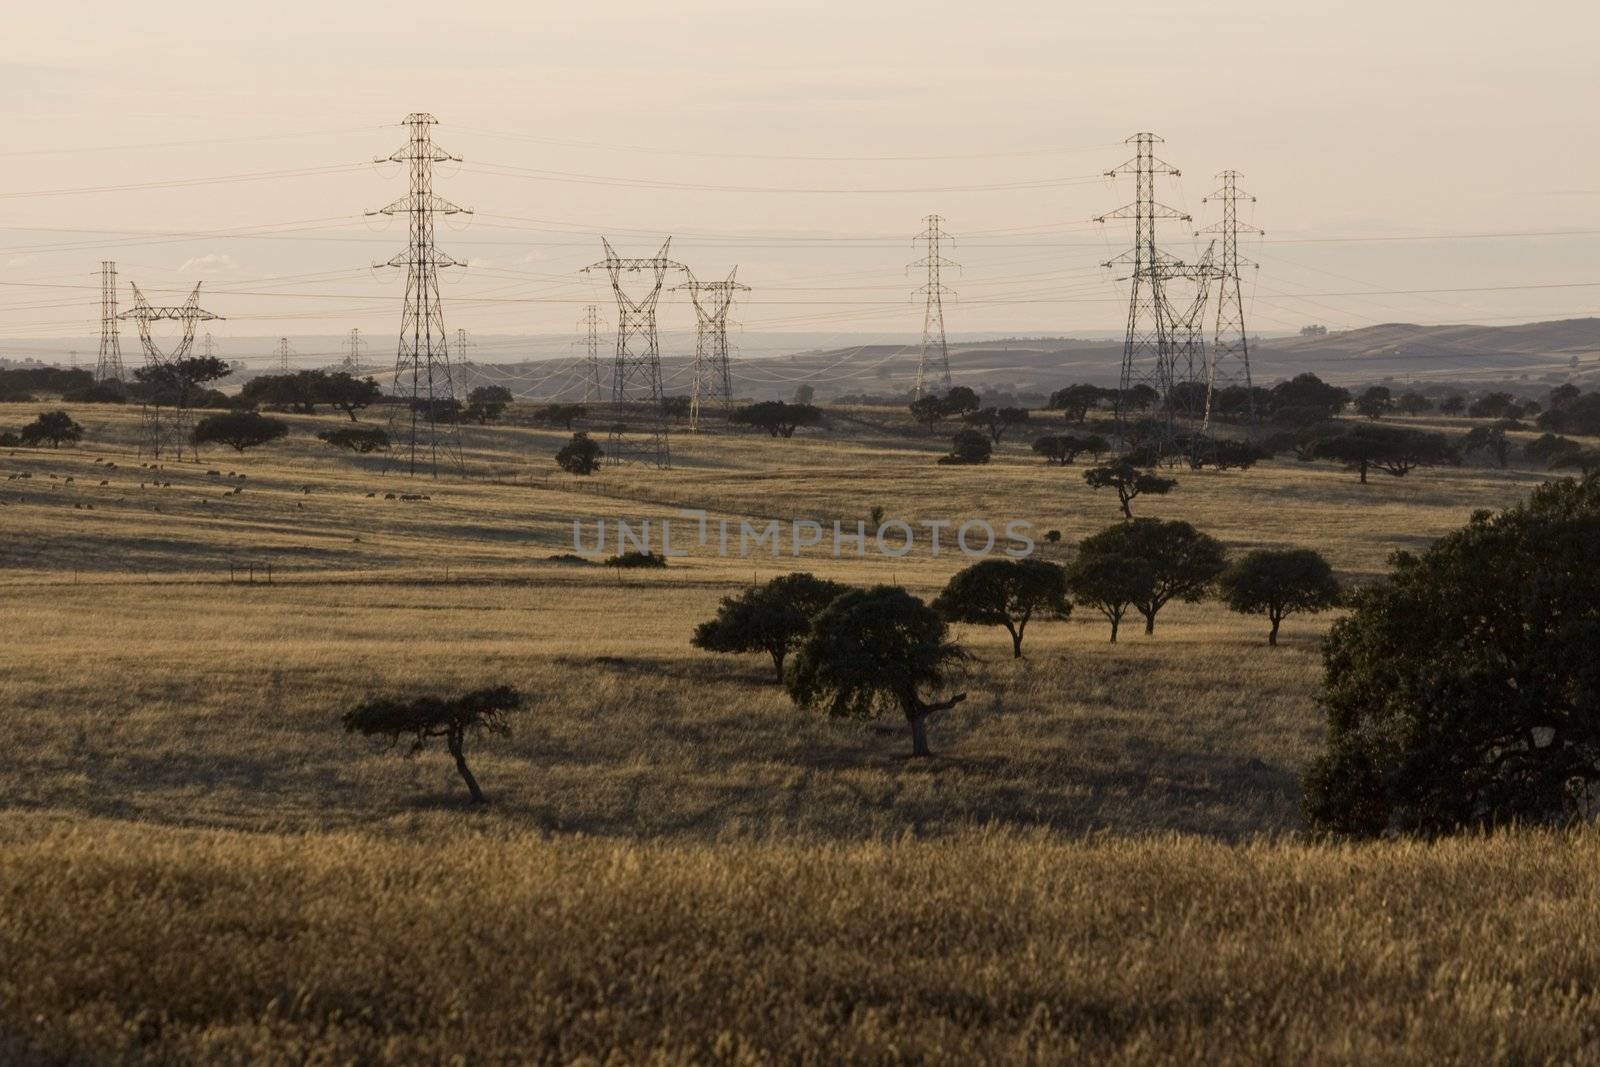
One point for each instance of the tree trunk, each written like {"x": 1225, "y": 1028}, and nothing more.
{"x": 777, "y": 664}
{"x": 1115, "y": 622}
{"x": 454, "y": 741}
{"x": 1127, "y": 512}
{"x": 1272, "y": 638}
{"x": 1363, "y": 472}
{"x": 919, "y": 733}
{"x": 1149, "y": 621}
{"x": 1016, "y": 640}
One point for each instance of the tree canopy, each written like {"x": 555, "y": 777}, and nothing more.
{"x": 968, "y": 447}
{"x": 1006, "y": 592}
{"x": 1463, "y": 691}
{"x": 874, "y": 650}
{"x": 1064, "y": 448}
{"x": 363, "y": 439}
{"x": 1129, "y": 481}
{"x": 581, "y": 455}
{"x": 1110, "y": 584}
{"x": 1278, "y": 583}
{"x": 772, "y": 617}
{"x": 451, "y": 718}
{"x": 997, "y": 420}
{"x": 487, "y": 403}
{"x": 238, "y": 429}
{"x": 778, "y": 418}
{"x": 1389, "y": 449}
{"x": 1181, "y": 562}
{"x": 56, "y": 427}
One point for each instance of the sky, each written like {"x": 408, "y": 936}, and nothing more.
{"x": 1413, "y": 161}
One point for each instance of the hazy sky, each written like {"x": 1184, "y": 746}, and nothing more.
{"x": 1379, "y": 138}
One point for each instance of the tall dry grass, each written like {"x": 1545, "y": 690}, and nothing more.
{"x": 197, "y": 865}
{"x": 130, "y": 944}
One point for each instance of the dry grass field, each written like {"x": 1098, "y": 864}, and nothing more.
{"x": 1103, "y": 861}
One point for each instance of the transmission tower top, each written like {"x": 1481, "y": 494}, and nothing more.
{"x": 188, "y": 313}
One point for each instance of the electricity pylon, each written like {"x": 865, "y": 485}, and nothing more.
{"x": 935, "y": 358}
{"x": 590, "y": 325}
{"x": 156, "y": 430}
{"x": 208, "y": 347}
{"x": 108, "y": 368}
{"x": 636, "y": 376}
{"x": 1229, "y": 364}
{"x": 1147, "y": 349}
{"x": 283, "y": 356}
{"x": 352, "y": 353}
{"x": 712, "y": 382}
{"x": 422, "y": 363}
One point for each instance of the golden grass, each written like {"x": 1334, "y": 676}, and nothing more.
{"x": 135, "y": 944}
{"x": 197, "y": 865}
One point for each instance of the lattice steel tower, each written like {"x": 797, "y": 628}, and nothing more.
{"x": 157, "y": 431}
{"x": 352, "y": 352}
{"x": 636, "y": 376}
{"x": 108, "y": 367}
{"x": 713, "y": 385}
{"x": 283, "y": 355}
{"x": 935, "y": 359}
{"x": 422, "y": 364}
{"x": 590, "y": 325}
{"x": 1229, "y": 364}
{"x": 1148, "y": 347}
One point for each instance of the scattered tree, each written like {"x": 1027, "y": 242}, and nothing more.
{"x": 927, "y": 410}
{"x": 772, "y": 617}
{"x": 56, "y": 427}
{"x": 968, "y": 447}
{"x": 1278, "y": 583}
{"x": 1489, "y": 440}
{"x": 349, "y": 394}
{"x": 1110, "y": 585}
{"x": 1580, "y": 415}
{"x": 580, "y": 455}
{"x": 1412, "y": 404}
{"x": 1495, "y": 406}
{"x": 998, "y": 420}
{"x": 874, "y": 650}
{"x": 960, "y": 401}
{"x": 675, "y": 407}
{"x": 238, "y": 429}
{"x": 1389, "y": 449}
{"x": 1306, "y": 398}
{"x": 563, "y": 415}
{"x": 480, "y": 711}
{"x": 1452, "y": 405}
{"x": 1129, "y": 482}
{"x": 177, "y": 383}
{"x": 804, "y": 394}
{"x": 1375, "y": 402}
{"x": 363, "y": 439}
{"x": 487, "y": 403}
{"x": 776, "y": 417}
{"x": 1550, "y": 448}
{"x": 1075, "y": 401}
{"x": 1461, "y": 692}
{"x": 1005, "y": 592}
{"x": 1182, "y": 562}
{"x": 1065, "y": 448}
